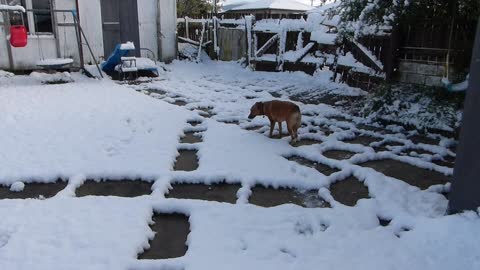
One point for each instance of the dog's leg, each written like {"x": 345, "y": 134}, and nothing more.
{"x": 290, "y": 130}
{"x": 272, "y": 126}
{"x": 280, "y": 129}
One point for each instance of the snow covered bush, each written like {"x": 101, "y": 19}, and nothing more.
{"x": 377, "y": 17}
{"x": 419, "y": 106}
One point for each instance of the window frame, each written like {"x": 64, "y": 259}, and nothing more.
{"x": 30, "y": 19}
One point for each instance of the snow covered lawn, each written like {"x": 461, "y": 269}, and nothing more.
{"x": 90, "y": 129}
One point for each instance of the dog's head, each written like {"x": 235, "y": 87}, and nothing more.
{"x": 257, "y": 109}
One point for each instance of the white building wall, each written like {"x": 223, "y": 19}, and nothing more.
{"x": 147, "y": 24}
{"x": 157, "y": 28}
{"x": 4, "y": 62}
{"x": 91, "y": 22}
{"x": 167, "y": 30}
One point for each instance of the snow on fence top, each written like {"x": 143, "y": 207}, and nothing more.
{"x": 272, "y": 4}
{"x": 12, "y": 8}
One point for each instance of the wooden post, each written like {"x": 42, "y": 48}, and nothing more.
{"x": 187, "y": 31}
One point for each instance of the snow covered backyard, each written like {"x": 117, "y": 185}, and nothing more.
{"x": 351, "y": 194}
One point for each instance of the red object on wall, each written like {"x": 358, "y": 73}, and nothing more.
{"x": 18, "y": 36}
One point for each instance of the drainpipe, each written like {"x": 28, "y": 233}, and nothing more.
{"x": 80, "y": 46}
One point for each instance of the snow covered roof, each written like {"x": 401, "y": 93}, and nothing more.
{"x": 269, "y": 4}
{"x": 326, "y": 7}
{"x": 12, "y": 8}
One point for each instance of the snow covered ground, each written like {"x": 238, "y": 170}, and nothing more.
{"x": 91, "y": 129}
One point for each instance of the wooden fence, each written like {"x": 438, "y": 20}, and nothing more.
{"x": 269, "y": 46}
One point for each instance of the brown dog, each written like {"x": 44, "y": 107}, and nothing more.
{"x": 278, "y": 112}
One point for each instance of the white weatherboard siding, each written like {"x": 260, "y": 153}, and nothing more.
{"x": 38, "y": 48}
{"x": 147, "y": 24}
{"x": 167, "y": 30}
{"x": 4, "y": 64}
{"x": 157, "y": 28}
{"x": 91, "y": 22}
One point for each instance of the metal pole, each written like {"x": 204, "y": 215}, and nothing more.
{"x": 465, "y": 191}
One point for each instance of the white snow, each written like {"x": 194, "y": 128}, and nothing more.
{"x": 324, "y": 38}
{"x": 55, "y": 62}
{"x": 12, "y": 8}
{"x": 273, "y": 4}
{"x": 127, "y": 46}
{"x": 17, "y": 186}
{"x": 99, "y": 129}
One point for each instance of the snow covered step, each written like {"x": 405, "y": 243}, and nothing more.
{"x": 349, "y": 191}
{"x": 171, "y": 232}
{"x": 124, "y": 188}
{"x": 186, "y": 161}
{"x": 31, "y": 190}
{"x": 271, "y": 197}
{"x": 217, "y": 192}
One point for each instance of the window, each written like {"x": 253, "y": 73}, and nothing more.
{"x": 39, "y": 21}
{"x": 42, "y": 17}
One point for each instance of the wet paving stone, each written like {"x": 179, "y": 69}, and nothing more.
{"x": 338, "y": 154}
{"x": 448, "y": 161}
{"x": 324, "y": 169}
{"x": 154, "y": 91}
{"x": 125, "y": 188}
{"x": 194, "y": 123}
{"x": 423, "y": 139}
{"x": 384, "y": 222}
{"x": 412, "y": 175}
{"x": 305, "y": 142}
{"x": 349, "y": 191}
{"x": 254, "y": 128}
{"x": 270, "y": 197}
{"x": 215, "y": 192}
{"x": 232, "y": 122}
{"x": 276, "y": 95}
{"x": 186, "y": 161}
{"x": 171, "y": 232}
{"x": 180, "y": 103}
{"x": 363, "y": 140}
{"x": 369, "y": 128}
{"x": 190, "y": 137}
{"x": 33, "y": 191}
{"x": 383, "y": 147}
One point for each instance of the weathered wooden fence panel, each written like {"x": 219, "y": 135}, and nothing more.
{"x": 232, "y": 44}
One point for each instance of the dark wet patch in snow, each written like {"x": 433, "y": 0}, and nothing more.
{"x": 186, "y": 161}
{"x": 349, "y": 191}
{"x": 338, "y": 154}
{"x": 271, "y": 197}
{"x": 412, "y": 175}
{"x": 33, "y": 191}
{"x": 124, "y": 188}
{"x": 171, "y": 232}
{"x": 190, "y": 137}
{"x": 216, "y": 192}
{"x": 324, "y": 169}
{"x": 304, "y": 142}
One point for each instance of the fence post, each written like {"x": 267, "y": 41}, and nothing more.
{"x": 187, "y": 31}
{"x": 249, "y": 22}
{"x": 465, "y": 192}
